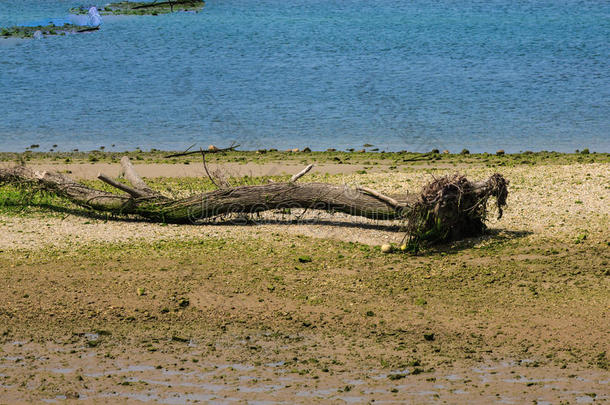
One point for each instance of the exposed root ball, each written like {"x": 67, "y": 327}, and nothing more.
{"x": 452, "y": 208}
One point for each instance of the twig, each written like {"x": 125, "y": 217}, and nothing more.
{"x": 131, "y": 191}
{"x": 389, "y": 200}
{"x": 186, "y": 153}
{"x": 205, "y": 166}
{"x": 133, "y": 177}
{"x": 301, "y": 173}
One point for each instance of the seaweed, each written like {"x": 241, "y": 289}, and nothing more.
{"x": 144, "y": 8}
{"x": 45, "y": 30}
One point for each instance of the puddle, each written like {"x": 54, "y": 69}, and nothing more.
{"x": 121, "y": 371}
{"x": 534, "y": 380}
{"x": 265, "y": 388}
{"x": 317, "y": 393}
{"x": 276, "y": 364}
{"x": 205, "y": 386}
{"x": 61, "y": 370}
{"x": 170, "y": 398}
{"x": 13, "y": 358}
{"x": 352, "y": 400}
{"x": 238, "y": 367}
{"x": 92, "y": 336}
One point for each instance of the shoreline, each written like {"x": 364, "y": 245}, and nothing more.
{"x": 154, "y": 164}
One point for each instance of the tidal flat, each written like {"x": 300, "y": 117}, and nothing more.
{"x": 104, "y": 308}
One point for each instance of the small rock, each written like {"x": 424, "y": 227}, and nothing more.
{"x": 386, "y": 248}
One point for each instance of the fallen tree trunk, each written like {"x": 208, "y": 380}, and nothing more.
{"x": 448, "y": 208}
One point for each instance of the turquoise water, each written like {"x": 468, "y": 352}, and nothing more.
{"x": 414, "y": 75}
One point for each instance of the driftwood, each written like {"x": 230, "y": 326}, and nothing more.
{"x": 448, "y": 208}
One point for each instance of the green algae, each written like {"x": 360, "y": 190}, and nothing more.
{"x": 45, "y": 30}
{"x": 144, "y": 8}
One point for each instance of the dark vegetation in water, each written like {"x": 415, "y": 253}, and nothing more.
{"x": 144, "y": 8}
{"x": 121, "y": 8}
{"x": 46, "y": 30}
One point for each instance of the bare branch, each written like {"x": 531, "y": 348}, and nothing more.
{"x": 131, "y": 191}
{"x": 133, "y": 177}
{"x": 205, "y": 166}
{"x": 301, "y": 173}
{"x": 389, "y": 200}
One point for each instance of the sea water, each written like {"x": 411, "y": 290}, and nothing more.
{"x": 400, "y": 75}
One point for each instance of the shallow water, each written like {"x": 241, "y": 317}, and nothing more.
{"x": 400, "y": 75}
{"x": 138, "y": 375}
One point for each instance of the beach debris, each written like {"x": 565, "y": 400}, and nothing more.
{"x": 386, "y": 248}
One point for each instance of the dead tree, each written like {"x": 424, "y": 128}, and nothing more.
{"x": 451, "y": 207}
